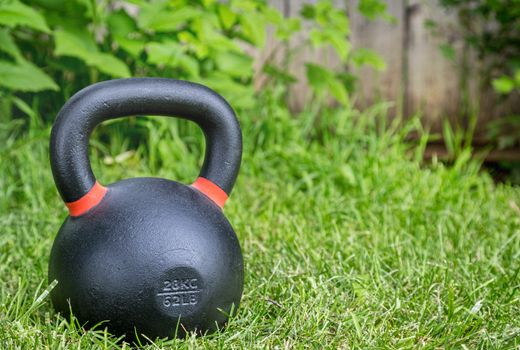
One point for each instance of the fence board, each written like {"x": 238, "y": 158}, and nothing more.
{"x": 433, "y": 87}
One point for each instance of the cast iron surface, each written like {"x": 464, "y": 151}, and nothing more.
{"x": 152, "y": 251}
{"x": 154, "y": 257}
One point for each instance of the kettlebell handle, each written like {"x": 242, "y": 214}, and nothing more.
{"x": 142, "y": 96}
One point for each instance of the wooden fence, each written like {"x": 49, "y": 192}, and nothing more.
{"x": 418, "y": 77}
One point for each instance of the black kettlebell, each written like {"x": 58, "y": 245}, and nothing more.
{"x": 146, "y": 255}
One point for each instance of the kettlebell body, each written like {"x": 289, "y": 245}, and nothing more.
{"x": 146, "y": 256}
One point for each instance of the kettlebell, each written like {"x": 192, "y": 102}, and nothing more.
{"x": 146, "y": 256}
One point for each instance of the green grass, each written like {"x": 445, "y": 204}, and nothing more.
{"x": 349, "y": 240}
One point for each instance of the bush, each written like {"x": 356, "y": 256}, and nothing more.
{"x": 49, "y": 49}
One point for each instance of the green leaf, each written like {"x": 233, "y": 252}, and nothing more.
{"x": 239, "y": 96}
{"x": 14, "y": 13}
{"x": 77, "y": 44}
{"x": 331, "y": 37}
{"x": 121, "y": 24}
{"x": 226, "y": 16}
{"x": 280, "y": 74}
{"x": 316, "y": 37}
{"x": 348, "y": 80}
{"x": 23, "y": 106}
{"x": 503, "y": 85}
{"x": 308, "y": 11}
{"x": 448, "y": 52}
{"x": 338, "y": 21}
{"x": 81, "y": 45}
{"x": 109, "y": 64}
{"x": 190, "y": 65}
{"x": 208, "y": 3}
{"x": 166, "y": 53}
{"x": 206, "y": 28}
{"x": 368, "y": 57}
{"x": 253, "y": 28}
{"x": 318, "y": 76}
{"x": 7, "y": 44}
{"x": 193, "y": 44}
{"x": 273, "y": 16}
{"x": 338, "y": 90}
{"x": 171, "y": 54}
{"x": 133, "y": 46}
{"x": 24, "y": 76}
{"x": 235, "y": 64}
{"x": 244, "y": 6}
{"x": 340, "y": 44}
{"x": 372, "y": 9}
{"x": 324, "y": 80}
{"x": 287, "y": 28}
{"x": 219, "y": 42}
{"x": 430, "y": 24}
{"x": 159, "y": 19}
{"x": 517, "y": 77}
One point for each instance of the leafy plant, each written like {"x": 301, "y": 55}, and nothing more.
{"x": 491, "y": 28}
{"x": 328, "y": 27}
{"x": 506, "y": 84}
{"x": 55, "y": 47}
{"x": 16, "y": 71}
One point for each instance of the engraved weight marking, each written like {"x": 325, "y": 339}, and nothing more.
{"x": 180, "y": 284}
{"x": 179, "y": 292}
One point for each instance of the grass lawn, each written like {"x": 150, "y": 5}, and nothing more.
{"x": 349, "y": 240}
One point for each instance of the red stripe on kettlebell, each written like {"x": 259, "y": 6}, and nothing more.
{"x": 88, "y": 201}
{"x": 211, "y": 190}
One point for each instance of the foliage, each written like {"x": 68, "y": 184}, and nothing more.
{"x": 492, "y": 28}
{"x": 79, "y": 42}
{"x": 54, "y": 48}
{"x": 372, "y": 9}
{"x": 506, "y": 85}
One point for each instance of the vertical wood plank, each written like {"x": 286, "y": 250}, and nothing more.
{"x": 386, "y": 39}
{"x": 433, "y": 81}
